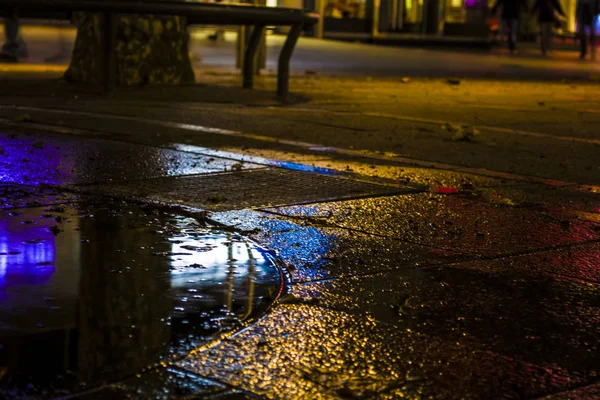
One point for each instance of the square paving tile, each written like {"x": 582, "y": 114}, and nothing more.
{"x": 16, "y": 196}
{"x": 405, "y": 334}
{"x": 52, "y": 159}
{"x": 312, "y": 253}
{"x": 456, "y": 223}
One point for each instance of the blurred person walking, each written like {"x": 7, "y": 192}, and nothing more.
{"x": 511, "y": 13}
{"x": 550, "y": 15}
{"x": 14, "y": 47}
{"x": 585, "y": 13}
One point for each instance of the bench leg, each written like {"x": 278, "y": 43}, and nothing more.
{"x": 250, "y": 56}
{"x": 110, "y": 44}
{"x": 283, "y": 68}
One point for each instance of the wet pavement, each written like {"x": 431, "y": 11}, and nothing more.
{"x": 342, "y": 244}
{"x": 136, "y": 271}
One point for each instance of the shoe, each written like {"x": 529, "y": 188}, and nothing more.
{"x": 7, "y": 58}
{"x": 22, "y": 51}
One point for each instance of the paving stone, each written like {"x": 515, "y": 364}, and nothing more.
{"x": 161, "y": 384}
{"x": 312, "y": 252}
{"x": 16, "y": 196}
{"x": 451, "y": 222}
{"x": 400, "y": 335}
{"x": 58, "y": 160}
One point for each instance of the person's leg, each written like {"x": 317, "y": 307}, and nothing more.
{"x": 593, "y": 39}
{"x": 14, "y": 47}
{"x": 11, "y": 33}
{"x": 508, "y": 29}
{"x": 546, "y": 36}
{"x": 505, "y": 30}
{"x": 514, "y": 31}
{"x": 582, "y": 39}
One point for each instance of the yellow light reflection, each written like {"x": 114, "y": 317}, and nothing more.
{"x": 57, "y": 68}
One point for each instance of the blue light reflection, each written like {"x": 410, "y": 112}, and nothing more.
{"x": 25, "y": 161}
{"x": 26, "y": 256}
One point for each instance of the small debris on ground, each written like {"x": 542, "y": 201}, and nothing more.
{"x": 453, "y": 81}
{"x": 55, "y": 230}
{"x": 291, "y": 299}
{"x": 24, "y": 118}
{"x": 451, "y": 127}
{"x": 461, "y": 133}
{"x": 215, "y": 199}
{"x": 405, "y": 79}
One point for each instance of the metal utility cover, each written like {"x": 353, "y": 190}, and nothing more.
{"x": 246, "y": 189}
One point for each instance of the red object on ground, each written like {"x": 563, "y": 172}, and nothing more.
{"x": 446, "y": 190}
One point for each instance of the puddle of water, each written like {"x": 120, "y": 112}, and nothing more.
{"x": 97, "y": 294}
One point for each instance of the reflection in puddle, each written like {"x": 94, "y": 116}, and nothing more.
{"x": 92, "y": 295}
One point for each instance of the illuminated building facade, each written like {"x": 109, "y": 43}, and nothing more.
{"x": 363, "y": 19}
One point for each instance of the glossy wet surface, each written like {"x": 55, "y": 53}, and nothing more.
{"x": 93, "y": 292}
{"x": 29, "y": 158}
{"x": 462, "y": 287}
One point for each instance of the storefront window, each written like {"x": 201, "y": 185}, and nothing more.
{"x": 455, "y": 11}
{"x": 413, "y": 11}
{"x": 346, "y": 9}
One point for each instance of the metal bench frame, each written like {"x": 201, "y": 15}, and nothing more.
{"x": 197, "y": 13}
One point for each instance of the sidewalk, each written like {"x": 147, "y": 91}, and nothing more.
{"x": 450, "y": 284}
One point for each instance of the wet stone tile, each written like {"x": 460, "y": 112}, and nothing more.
{"x": 28, "y": 159}
{"x": 311, "y": 253}
{"x": 538, "y": 320}
{"x": 162, "y": 384}
{"x": 450, "y": 222}
{"x": 425, "y": 178}
{"x": 15, "y": 196}
{"x": 577, "y": 263}
{"x": 362, "y": 357}
{"x": 583, "y": 393}
{"x": 564, "y": 200}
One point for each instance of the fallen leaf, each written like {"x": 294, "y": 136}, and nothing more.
{"x": 466, "y": 134}
{"x": 23, "y": 118}
{"x": 55, "y": 230}
{"x": 451, "y": 127}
